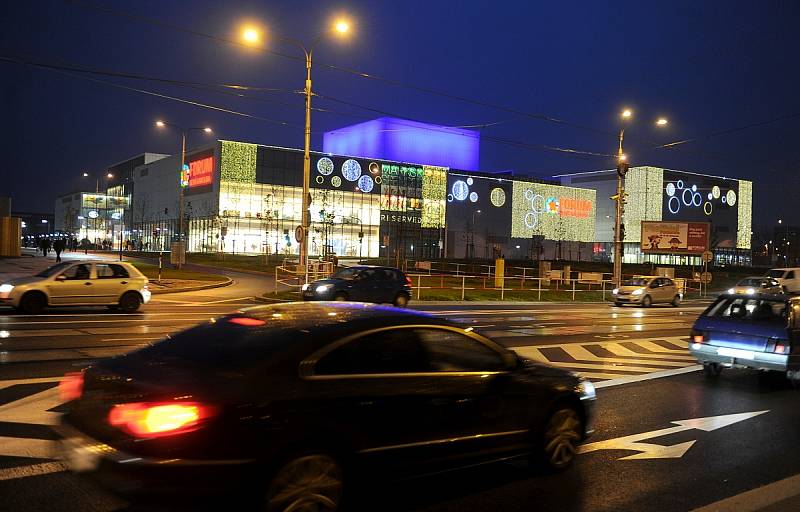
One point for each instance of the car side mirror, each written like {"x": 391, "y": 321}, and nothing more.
{"x": 512, "y": 361}
{"x": 61, "y": 277}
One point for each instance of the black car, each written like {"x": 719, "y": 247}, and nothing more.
{"x": 290, "y": 402}
{"x": 362, "y": 283}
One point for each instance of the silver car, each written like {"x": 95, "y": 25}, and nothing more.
{"x": 78, "y": 283}
{"x": 647, "y": 290}
{"x": 753, "y": 285}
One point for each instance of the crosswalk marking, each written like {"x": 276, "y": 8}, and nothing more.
{"x": 619, "y": 350}
{"x": 581, "y": 353}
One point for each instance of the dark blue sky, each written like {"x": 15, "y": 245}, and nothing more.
{"x": 709, "y": 66}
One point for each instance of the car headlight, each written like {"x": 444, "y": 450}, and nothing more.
{"x": 305, "y": 287}
{"x": 615, "y": 291}
{"x": 586, "y": 390}
{"x": 750, "y": 291}
{"x": 637, "y": 292}
{"x": 6, "y": 288}
{"x": 323, "y": 288}
{"x": 731, "y": 291}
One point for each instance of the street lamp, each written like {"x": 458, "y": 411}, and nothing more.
{"x": 251, "y": 35}
{"x": 619, "y": 198}
{"x": 184, "y": 132}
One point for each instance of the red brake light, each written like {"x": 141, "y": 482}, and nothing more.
{"x": 153, "y": 419}
{"x": 781, "y": 349}
{"x": 246, "y": 320}
{"x": 409, "y": 282}
{"x": 71, "y": 386}
{"x": 698, "y": 338}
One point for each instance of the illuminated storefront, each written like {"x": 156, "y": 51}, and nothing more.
{"x": 96, "y": 217}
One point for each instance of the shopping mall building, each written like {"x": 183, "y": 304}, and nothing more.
{"x": 394, "y": 188}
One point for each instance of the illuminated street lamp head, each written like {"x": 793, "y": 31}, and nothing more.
{"x": 662, "y": 121}
{"x": 160, "y": 124}
{"x": 626, "y": 113}
{"x": 207, "y": 129}
{"x": 342, "y": 26}
{"x": 250, "y": 35}
{"x": 109, "y": 175}
{"x": 623, "y": 157}
{"x": 86, "y": 175}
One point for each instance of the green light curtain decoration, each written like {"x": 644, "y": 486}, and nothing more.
{"x": 238, "y": 162}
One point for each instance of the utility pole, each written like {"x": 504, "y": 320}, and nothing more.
{"x": 622, "y": 169}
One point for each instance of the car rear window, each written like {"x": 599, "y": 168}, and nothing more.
{"x": 749, "y": 309}
{"x": 776, "y": 273}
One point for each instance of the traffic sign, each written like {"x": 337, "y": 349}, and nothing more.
{"x": 705, "y": 277}
{"x": 708, "y": 256}
{"x": 298, "y": 234}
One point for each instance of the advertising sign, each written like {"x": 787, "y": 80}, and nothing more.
{"x": 201, "y": 172}
{"x": 553, "y": 211}
{"x": 675, "y": 237}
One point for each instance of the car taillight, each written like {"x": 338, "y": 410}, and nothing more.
{"x": 409, "y": 282}
{"x": 154, "y": 419}
{"x": 781, "y": 348}
{"x": 71, "y": 386}
{"x": 697, "y": 338}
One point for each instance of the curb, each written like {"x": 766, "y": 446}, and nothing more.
{"x": 219, "y": 284}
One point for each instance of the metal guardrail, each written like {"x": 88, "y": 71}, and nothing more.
{"x": 292, "y": 275}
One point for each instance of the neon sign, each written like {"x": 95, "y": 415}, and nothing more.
{"x": 201, "y": 172}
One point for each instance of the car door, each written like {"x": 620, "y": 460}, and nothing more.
{"x": 363, "y": 286}
{"x": 73, "y": 286}
{"x": 791, "y": 284}
{"x": 669, "y": 290}
{"x": 376, "y": 389}
{"x": 112, "y": 280}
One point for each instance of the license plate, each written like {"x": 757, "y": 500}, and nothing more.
{"x": 80, "y": 456}
{"x": 734, "y": 352}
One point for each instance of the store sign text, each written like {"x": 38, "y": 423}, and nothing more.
{"x": 201, "y": 172}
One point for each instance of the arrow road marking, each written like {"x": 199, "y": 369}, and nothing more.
{"x": 657, "y": 451}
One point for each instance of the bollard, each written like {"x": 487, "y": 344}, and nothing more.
{"x": 573, "y": 290}
{"x": 462, "y": 286}
{"x": 160, "y": 256}
{"x": 419, "y": 286}
{"x": 540, "y": 288}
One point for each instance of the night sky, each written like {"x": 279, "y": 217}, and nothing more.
{"x": 709, "y": 66}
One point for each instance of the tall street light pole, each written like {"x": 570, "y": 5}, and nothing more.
{"x": 251, "y": 36}
{"x": 184, "y": 132}
{"x": 619, "y": 198}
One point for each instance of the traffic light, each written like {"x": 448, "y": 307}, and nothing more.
{"x": 621, "y": 231}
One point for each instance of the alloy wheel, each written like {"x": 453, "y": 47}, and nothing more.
{"x": 561, "y": 438}
{"x": 311, "y": 483}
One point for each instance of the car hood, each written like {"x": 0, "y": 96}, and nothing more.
{"x": 330, "y": 280}
{"x": 629, "y": 289}
{"x": 19, "y": 281}
{"x": 540, "y": 369}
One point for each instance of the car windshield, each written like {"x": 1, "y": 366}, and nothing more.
{"x": 638, "y": 281}
{"x": 776, "y": 273}
{"x": 348, "y": 273}
{"x": 750, "y": 282}
{"x": 55, "y": 269}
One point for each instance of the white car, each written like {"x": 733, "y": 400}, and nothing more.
{"x": 78, "y": 283}
{"x": 788, "y": 278}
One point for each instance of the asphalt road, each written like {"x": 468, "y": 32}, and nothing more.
{"x": 638, "y": 358}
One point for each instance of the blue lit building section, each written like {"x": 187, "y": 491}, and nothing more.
{"x": 389, "y": 138}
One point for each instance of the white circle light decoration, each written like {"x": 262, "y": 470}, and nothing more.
{"x": 325, "y": 166}
{"x": 336, "y": 181}
{"x": 715, "y": 192}
{"x": 470, "y": 182}
{"x": 93, "y": 214}
{"x": 365, "y": 183}
{"x": 670, "y": 189}
{"x": 473, "y": 196}
{"x": 731, "y": 196}
{"x": 497, "y": 196}
{"x": 460, "y": 190}
{"x": 351, "y": 170}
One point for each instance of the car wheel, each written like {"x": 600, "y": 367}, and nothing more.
{"x": 33, "y": 303}
{"x": 401, "y": 300}
{"x": 340, "y": 297}
{"x": 309, "y": 482}
{"x": 676, "y": 301}
{"x": 647, "y": 301}
{"x": 711, "y": 370}
{"x": 130, "y": 302}
{"x": 561, "y": 436}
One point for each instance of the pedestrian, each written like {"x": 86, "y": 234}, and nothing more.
{"x": 85, "y": 245}
{"x": 42, "y": 247}
{"x": 58, "y": 247}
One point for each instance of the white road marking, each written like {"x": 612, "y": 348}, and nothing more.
{"x": 32, "y": 408}
{"x": 657, "y": 451}
{"x": 28, "y": 448}
{"x": 647, "y": 376}
{"x": 32, "y": 470}
{"x": 758, "y": 498}
{"x": 581, "y": 353}
{"x": 619, "y": 350}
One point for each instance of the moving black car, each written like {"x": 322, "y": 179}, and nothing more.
{"x": 291, "y": 402}
{"x": 362, "y": 284}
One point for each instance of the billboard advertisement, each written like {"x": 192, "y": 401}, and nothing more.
{"x": 675, "y": 237}
{"x": 553, "y": 211}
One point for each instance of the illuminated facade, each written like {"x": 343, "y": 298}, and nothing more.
{"x": 96, "y": 217}
{"x": 657, "y": 194}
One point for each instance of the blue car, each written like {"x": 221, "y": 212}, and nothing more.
{"x": 362, "y": 283}
{"x": 749, "y": 331}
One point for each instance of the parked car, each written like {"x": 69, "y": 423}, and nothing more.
{"x": 748, "y": 331}
{"x": 296, "y": 401}
{"x": 362, "y": 283}
{"x": 751, "y": 285}
{"x": 788, "y": 278}
{"x": 78, "y": 283}
{"x": 647, "y": 290}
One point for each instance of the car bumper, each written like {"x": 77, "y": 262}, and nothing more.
{"x": 628, "y": 299}
{"x": 734, "y": 358}
{"x": 146, "y": 295}
{"x": 130, "y": 475}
